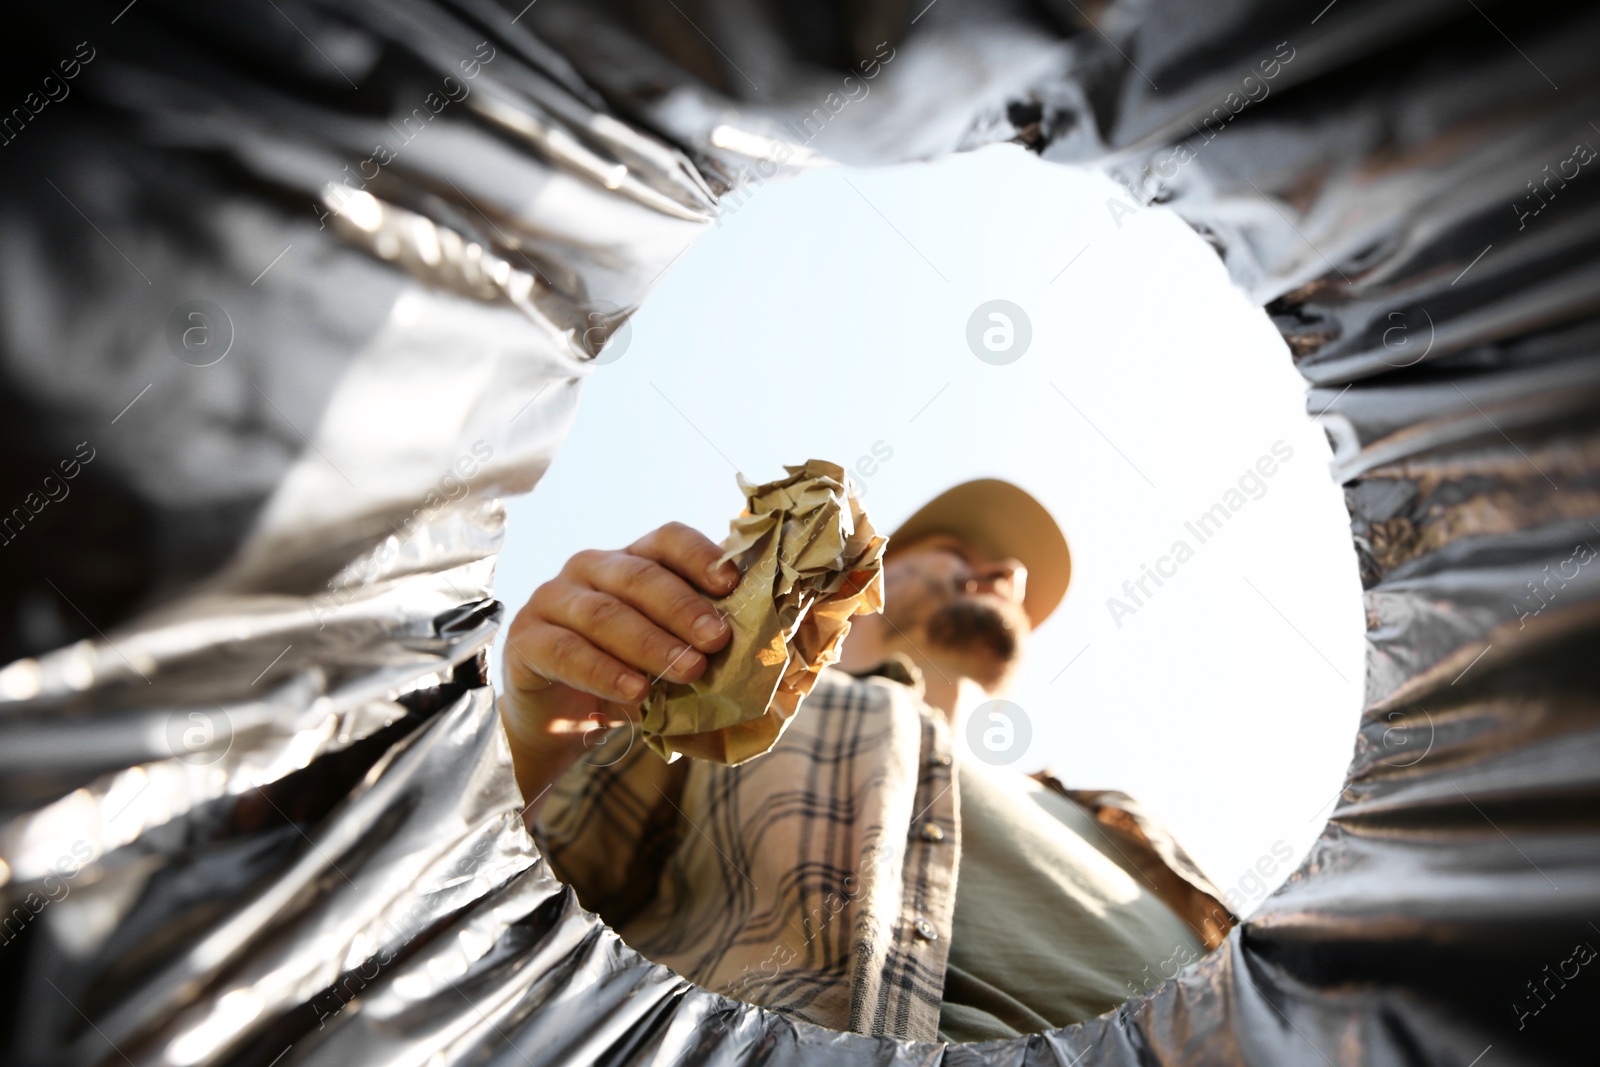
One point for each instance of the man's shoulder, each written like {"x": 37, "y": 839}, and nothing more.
{"x": 835, "y": 684}
{"x": 880, "y": 686}
{"x": 873, "y": 717}
{"x": 896, "y": 668}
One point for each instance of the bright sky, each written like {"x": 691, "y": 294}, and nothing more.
{"x": 828, "y": 317}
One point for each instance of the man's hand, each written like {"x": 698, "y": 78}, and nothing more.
{"x": 582, "y": 652}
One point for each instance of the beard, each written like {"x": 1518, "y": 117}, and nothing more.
{"x": 985, "y": 635}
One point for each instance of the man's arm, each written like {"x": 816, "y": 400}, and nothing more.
{"x": 582, "y": 652}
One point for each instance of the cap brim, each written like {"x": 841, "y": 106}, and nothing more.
{"x": 1003, "y": 520}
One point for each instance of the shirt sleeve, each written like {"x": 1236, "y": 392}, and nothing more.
{"x": 610, "y": 824}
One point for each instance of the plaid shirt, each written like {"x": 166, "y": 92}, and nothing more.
{"x": 819, "y": 879}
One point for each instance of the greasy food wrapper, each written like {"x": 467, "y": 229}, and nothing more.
{"x": 808, "y": 560}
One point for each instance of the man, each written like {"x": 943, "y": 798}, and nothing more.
{"x": 863, "y": 874}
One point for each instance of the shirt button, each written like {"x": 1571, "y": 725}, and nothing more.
{"x": 940, "y": 760}
{"x": 926, "y": 931}
{"x": 932, "y": 831}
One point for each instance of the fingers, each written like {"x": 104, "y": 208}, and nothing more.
{"x": 671, "y": 604}
{"x": 616, "y": 627}
{"x": 540, "y": 653}
{"x": 691, "y": 554}
{"x": 613, "y": 622}
{"x": 654, "y": 575}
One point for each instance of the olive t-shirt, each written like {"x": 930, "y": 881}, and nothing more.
{"x": 1051, "y": 925}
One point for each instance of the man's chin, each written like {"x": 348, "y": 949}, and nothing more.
{"x": 983, "y": 635}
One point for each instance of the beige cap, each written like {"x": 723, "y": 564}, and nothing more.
{"x": 1003, "y": 520}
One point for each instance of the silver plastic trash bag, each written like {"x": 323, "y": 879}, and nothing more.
{"x": 296, "y": 292}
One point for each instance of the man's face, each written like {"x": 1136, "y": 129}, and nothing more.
{"x": 956, "y": 603}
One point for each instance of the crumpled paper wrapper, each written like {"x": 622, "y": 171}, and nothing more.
{"x": 809, "y": 559}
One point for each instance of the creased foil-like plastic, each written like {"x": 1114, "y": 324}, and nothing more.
{"x": 808, "y": 560}
{"x": 255, "y": 807}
